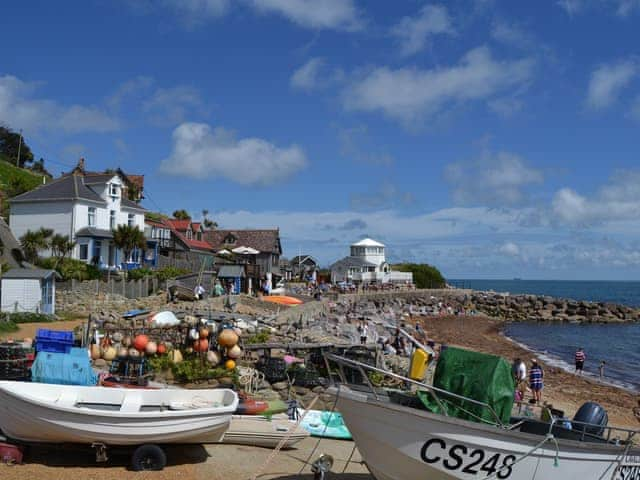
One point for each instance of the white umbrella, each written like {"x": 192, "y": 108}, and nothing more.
{"x": 224, "y": 251}
{"x": 245, "y": 251}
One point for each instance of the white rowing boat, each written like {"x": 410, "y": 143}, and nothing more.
{"x": 43, "y": 413}
{"x": 402, "y": 443}
{"x": 259, "y": 431}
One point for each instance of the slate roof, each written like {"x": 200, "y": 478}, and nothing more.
{"x": 11, "y": 250}
{"x": 91, "y": 178}
{"x": 353, "y": 262}
{"x": 94, "y": 232}
{"x": 67, "y": 187}
{"x": 29, "y": 273}
{"x": 231, "y": 271}
{"x": 298, "y": 259}
{"x": 129, "y": 205}
{"x": 262, "y": 240}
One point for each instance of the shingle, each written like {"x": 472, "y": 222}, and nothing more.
{"x": 28, "y": 273}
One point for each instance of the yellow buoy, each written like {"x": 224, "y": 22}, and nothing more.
{"x": 230, "y": 364}
{"x": 418, "y": 366}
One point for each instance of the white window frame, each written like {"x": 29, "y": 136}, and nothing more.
{"x": 80, "y": 246}
{"x": 113, "y": 190}
{"x": 131, "y": 220}
{"x": 92, "y": 213}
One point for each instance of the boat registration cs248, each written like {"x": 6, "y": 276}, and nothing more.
{"x": 470, "y": 461}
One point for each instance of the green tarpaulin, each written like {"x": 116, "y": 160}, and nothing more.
{"x": 482, "y": 377}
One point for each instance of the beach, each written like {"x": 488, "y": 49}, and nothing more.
{"x": 564, "y": 390}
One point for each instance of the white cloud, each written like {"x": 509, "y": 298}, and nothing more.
{"x": 607, "y": 82}
{"x": 314, "y": 14}
{"x": 202, "y": 152}
{"x": 408, "y": 94}
{"x": 616, "y": 201}
{"x": 512, "y": 34}
{"x": 414, "y": 32}
{"x": 387, "y": 195}
{"x": 494, "y": 179}
{"x": 315, "y": 75}
{"x": 510, "y": 249}
{"x": 622, "y": 8}
{"x": 21, "y": 109}
{"x": 571, "y": 6}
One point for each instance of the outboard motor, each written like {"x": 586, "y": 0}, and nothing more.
{"x": 593, "y": 414}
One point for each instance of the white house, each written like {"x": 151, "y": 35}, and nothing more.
{"x": 84, "y": 206}
{"x": 367, "y": 264}
{"x": 28, "y": 290}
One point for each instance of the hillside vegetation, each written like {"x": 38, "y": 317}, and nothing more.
{"x": 14, "y": 181}
{"x": 424, "y": 275}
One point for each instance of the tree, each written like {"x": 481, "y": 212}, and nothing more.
{"x": 128, "y": 238}
{"x": 10, "y": 143}
{"x": 61, "y": 246}
{"x": 424, "y": 275}
{"x": 34, "y": 241}
{"x": 210, "y": 224}
{"x": 181, "y": 215}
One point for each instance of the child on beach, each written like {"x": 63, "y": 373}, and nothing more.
{"x": 580, "y": 357}
{"x": 601, "y": 368}
{"x": 536, "y": 383}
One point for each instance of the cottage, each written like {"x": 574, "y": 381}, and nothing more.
{"x": 367, "y": 264}
{"x": 304, "y": 267}
{"x": 265, "y": 242}
{"x": 29, "y": 290}
{"x": 87, "y": 207}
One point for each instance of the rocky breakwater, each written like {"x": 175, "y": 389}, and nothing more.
{"x": 544, "y": 308}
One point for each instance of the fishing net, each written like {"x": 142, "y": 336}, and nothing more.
{"x": 478, "y": 376}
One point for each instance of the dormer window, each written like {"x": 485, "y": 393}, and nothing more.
{"x": 189, "y": 234}
{"x": 230, "y": 239}
{"x": 113, "y": 190}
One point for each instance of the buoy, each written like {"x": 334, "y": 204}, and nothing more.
{"x": 109, "y": 353}
{"x": 234, "y": 352}
{"x": 140, "y": 342}
{"x": 123, "y": 353}
{"x": 194, "y": 334}
{"x": 162, "y": 349}
{"x": 151, "y": 348}
{"x": 95, "y": 351}
{"x": 134, "y": 353}
{"x": 213, "y": 357}
{"x": 175, "y": 356}
{"x": 201, "y": 345}
{"x": 117, "y": 337}
{"x": 227, "y": 338}
{"x": 204, "y": 333}
{"x": 230, "y": 364}
{"x": 238, "y": 331}
{"x": 126, "y": 341}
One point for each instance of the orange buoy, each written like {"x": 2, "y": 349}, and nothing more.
{"x": 201, "y": 345}
{"x": 227, "y": 338}
{"x": 162, "y": 349}
{"x": 230, "y": 364}
{"x": 140, "y": 342}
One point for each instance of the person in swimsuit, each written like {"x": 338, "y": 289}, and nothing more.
{"x": 536, "y": 383}
{"x": 580, "y": 357}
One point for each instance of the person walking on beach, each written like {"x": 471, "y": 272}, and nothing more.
{"x": 601, "y": 368}
{"x": 362, "y": 328}
{"x": 580, "y": 357}
{"x": 536, "y": 383}
{"x": 519, "y": 372}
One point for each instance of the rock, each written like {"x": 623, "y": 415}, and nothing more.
{"x": 225, "y": 381}
{"x": 100, "y": 363}
{"x": 278, "y": 386}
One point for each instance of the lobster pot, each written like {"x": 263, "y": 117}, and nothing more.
{"x": 13, "y": 362}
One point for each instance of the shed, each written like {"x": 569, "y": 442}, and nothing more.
{"x": 29, "y": 290}
{"x": 232, "y": 274}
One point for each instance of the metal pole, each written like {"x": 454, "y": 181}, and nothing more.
{"x": 19, "y": 145}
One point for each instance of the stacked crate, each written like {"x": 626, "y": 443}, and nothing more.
{"x": 13, "y": 362}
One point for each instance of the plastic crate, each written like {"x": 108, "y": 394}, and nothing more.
{"x": 53, "y": 341}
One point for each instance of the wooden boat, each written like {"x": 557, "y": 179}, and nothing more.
{"x": 398, "y": 442}
{"x": 178, "y": 292}
{"x": 259, "y": 431}
{"x": 43, "y": 413}
{"x": 283, "y": 300}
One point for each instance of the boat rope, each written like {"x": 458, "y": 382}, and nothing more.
{"x": 283, "y": 442}
{"x": 324, "y": 430}
{"x": 346, "y": 465}
{"x": 547, "y": 438}
{"x": 250, "y": 378}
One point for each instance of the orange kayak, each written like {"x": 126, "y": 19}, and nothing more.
{"x": 283, "y": 300}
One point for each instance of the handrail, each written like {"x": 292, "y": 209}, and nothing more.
{"x": 430, "y": 388}
{"x": 410, "y": 337}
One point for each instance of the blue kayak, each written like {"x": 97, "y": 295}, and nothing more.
{"x": 322, "y": 423}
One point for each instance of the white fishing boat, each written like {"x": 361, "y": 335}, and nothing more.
{"x": 402, "y": 443}
{"x": 265, "y": 432}
{"x": 43, "y": 413}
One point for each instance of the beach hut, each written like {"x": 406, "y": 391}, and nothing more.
{"x": 28, "y": 290}
{"x": 232, "y": 274}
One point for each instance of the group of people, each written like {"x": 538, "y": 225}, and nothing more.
{"x": 536, "y": 379}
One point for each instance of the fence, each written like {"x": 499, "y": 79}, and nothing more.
{"x": 114, "y": 286}
{"x": 192, "y": 263}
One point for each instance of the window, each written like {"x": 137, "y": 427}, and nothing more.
{"x": 189, "y": 234}
{"x": 230, "y": 239}
{"x": 131, "y": 220}
{"x": 113, "y": 189}
{"x": 91, "y": 218}
{"x": 84, "y": 251}
{"x": 112, "y": 219}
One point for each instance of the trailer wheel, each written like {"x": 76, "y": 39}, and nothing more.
{"x": 148, "y": 457}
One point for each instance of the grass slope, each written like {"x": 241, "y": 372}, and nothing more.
{"x": 14, "y": 181}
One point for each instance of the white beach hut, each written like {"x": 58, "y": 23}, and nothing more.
{"x": 28, "y": 290}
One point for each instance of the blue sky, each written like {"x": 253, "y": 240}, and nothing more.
{"x": 492, "y": 139}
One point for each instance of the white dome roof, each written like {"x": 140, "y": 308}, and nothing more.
{"x": 367, "y": 242}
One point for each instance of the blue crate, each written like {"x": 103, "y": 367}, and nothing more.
{"x": 53, "y": 341}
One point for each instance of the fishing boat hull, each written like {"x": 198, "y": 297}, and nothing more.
{"x": 283, "y": 300}
{"x": 39, "y": 413}
{"x": 263, "y": 432}
{"x": 401, "y": 443}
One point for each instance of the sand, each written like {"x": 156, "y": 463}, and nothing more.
{"x": 28, "y": 330}
{"x": 562, "y": 389}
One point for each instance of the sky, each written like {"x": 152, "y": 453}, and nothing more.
{"x": 493, "y": 139}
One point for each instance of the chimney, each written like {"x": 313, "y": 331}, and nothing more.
{"x": 79, "y": 169}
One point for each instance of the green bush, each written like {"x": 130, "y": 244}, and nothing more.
{"x": 8, "y": 327}
{"x": 424, "y": 275}
{"x": 260, "y": 337}
{"x": 69, "y": 268}
{"x": 25, "y": 317}
{"x": 140, "y": 273}
{"x": 171, "y": 272}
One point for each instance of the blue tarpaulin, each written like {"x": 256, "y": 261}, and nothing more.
{"x": 73, "y": 368}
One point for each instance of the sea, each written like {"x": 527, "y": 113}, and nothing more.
{"x": 555, "y": 343}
